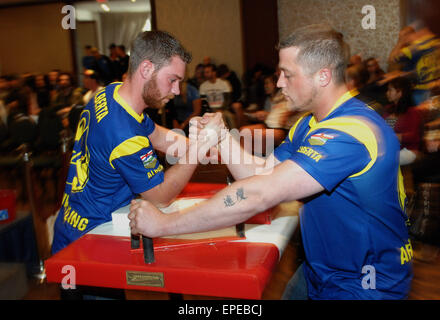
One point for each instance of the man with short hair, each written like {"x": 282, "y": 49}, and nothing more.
{"x": 92, "y": 84}
{"x": 114, "y": 155}
{"x": 218, "y": 93}
{"x": 340, "y": 159}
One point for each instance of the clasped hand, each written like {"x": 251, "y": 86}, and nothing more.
{"x": 204, "y": 135}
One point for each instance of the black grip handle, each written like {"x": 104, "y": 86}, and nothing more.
{"x": 135, "y": 241}
{"x": 148, "y": 249}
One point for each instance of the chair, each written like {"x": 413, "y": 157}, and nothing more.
{"x": 22, "y": 131}
{"x": 48, "y": 154}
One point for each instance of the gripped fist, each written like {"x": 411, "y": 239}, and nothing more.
{"x": 145, "y": 219}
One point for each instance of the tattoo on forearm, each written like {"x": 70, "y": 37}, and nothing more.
{"x": 239, "y": 195}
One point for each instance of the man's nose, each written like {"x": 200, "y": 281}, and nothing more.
{"x": 175, "y": 89}
{"x": 280, "y": 81}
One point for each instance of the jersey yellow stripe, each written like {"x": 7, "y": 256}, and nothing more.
{"x": 292, "y": 130}
{"x": 401, "y": 190}
{"x": 128, "y": 147}
{"x": 357, "y": 129}
{"x": 126, "y": 106}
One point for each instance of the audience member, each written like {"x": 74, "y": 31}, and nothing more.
{"x": 30, "y": 89}
{"x": 235, "y": 83}
{"x": 403, "y": 41}
{"x": 103, "y": 66}
{"x": 123, "y": 60}
{"x": 275, "y": 119}
{"x": 355, "y": 60}
{"x": 66, "y": 95}
{"x": 254, "y": 95}
{"x": 356, "y": 77}
{"x": 42, "y": 88}
{"x": 88, "y": 60}
{"x": 4, "y": 91}
{"x": 404, "y": 118}
{"x": 91, "y": 83}
{"x": 422, "y": 57}
{"x": 374, "y": 88}
{"x": 114, "y": 63}
{"x": 184, "y": 106}
{"x": 199, "y": 77}
{"x": 16, "y": 101}
{"x": 218, "y": 94}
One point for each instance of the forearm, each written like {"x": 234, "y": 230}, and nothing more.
{"x": 240, "y": 163}
{"x": 230, "y": 206}
{"x": 175, "y": 179}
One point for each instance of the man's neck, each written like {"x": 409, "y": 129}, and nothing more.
{"x": 213, "y": 80}
{"x": 327, "y": 101}
{"x": 132, "y": 95}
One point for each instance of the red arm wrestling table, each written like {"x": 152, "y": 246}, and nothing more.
{"x": 216, "y": 263}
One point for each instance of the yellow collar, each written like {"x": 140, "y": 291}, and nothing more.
{"x": 126, "y": 106}
{"x": 342, "y": 99}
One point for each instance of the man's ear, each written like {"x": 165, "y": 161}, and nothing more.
{"x": 324, "y": 77}
{"x": 146, "y": 69}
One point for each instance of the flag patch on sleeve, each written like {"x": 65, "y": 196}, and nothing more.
{"x": 149, "y": 160}
{"x": 319, "y": 139}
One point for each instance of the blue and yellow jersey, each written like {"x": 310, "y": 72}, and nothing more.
{"x": 354, "y": 233}
{"x": 423, "y": 57}
{"x": 112, "y": 161}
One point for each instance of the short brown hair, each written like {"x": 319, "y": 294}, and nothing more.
{"x": 319, "y": 47}
{"x": 156, "y": 46}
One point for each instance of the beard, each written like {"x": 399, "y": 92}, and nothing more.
{"x": 151, "y": 94}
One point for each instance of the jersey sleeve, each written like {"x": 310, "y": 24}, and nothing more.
{"x": 328, "y": 155}
{"x": 139, "y": 167}
{"x": 149, "y": 125}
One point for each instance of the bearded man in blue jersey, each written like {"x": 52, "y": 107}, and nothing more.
{"x": 341, "y": 159}
{"x": 114, "y": 155}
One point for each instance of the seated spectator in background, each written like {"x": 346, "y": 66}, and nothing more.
{"x": 42, "y": 88}
{"x": 92, "y": 84}
{"x": 421, "y": 56}
{"x": 4, "y": 87}
{"x": 224, "y": 73}
{"x": 103, "y": 66}
{"x": 199, "y": 77}
{"x": 29, "y": 86}
{"x": 356, "y": 77}
{"x": 4, "y": 91}
{"x": 235, "y": 83}
{"x": 355, "y": 60}
{"x": 66, "y": 95}
{"x": 113, "y": 52}
{"x": 207, "y": 61}
{"x": 275, "y": 120}
{"x": 217, "y": 92}
{"x": 374, "y": 71}
{"x": 88, "y": 60}
{"x": 374, "y": 88}
{"x": 123, "y": 58}
{"x": 404, "y": 40}
{"x": 184, "y": 106}
{"x": 114, "y": 63}
{"x": 53, "y": 78}
{"x": 254, "y": 95}
{"x": 404, "y": 118}
{"x": 16, "y": 100}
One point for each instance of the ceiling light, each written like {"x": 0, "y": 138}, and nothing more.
{"x": 105, "y": 7}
